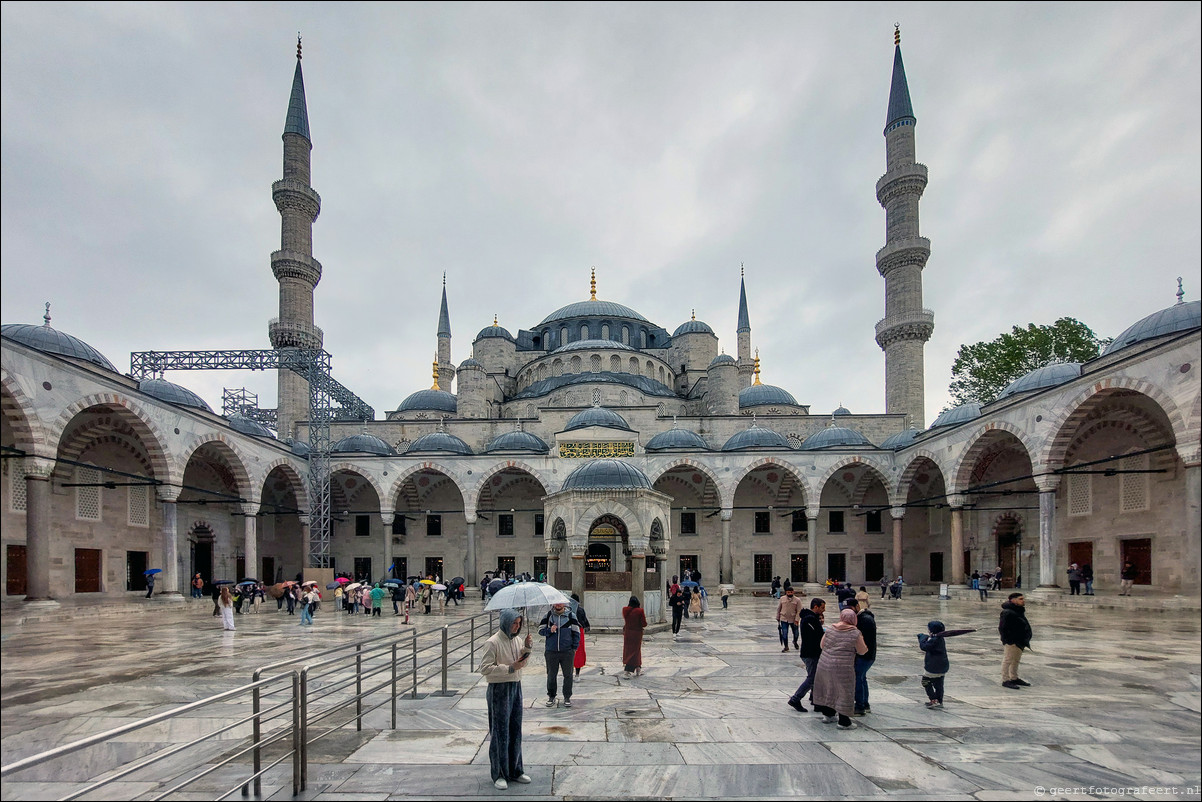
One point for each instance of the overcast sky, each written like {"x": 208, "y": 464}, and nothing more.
{"x": 516, "y": 146}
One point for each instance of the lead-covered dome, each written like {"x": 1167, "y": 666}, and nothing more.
{"x": 1177, "y": 318}
{"x": 677, "y": 440}
{"x": 1048, "y": 376}
{"x": 755, "y": 438}
{"x": 900, "y": 440}
{"x": 52, "y": 341}
{"x": 172, "y": 393}
{"x": 585, "y": 345}
{"x": 693, "y": 326}
{"x": 597, "y": 416}
{"x": 607, "y": 474}
{"x": 723, "y": 359}
{"x": 241, "y": 423}
{"x": 430, "y": 401}
{"x": 439, "y": 443}
{"x": 960, "y": 414}
{"x": 499, "y": 332}
{"x": 758, "y": 395}
{"x": 834, "y": 437}
{"x": 593, "y": 308}
{"x": 517, "y": 441}
{"x": 363, "y": 444}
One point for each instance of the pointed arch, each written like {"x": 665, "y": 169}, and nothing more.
{"x": 394, "y": 489}
{"x": 807, "y": 489}
{"x": 609, "y": 507}
{"x": 980, "y": 439}
{"x": 901, "y": 491}
{"x": 687, "y": 462}
{"x": 874, "y": 467}
{"x": 357, "y": 469}
{"x": 29, "y": 434}
{"x": 165, "y": 467}
{"x": 237, "y": 460}
{"x": 296, "y": 480}
{"x": 473, "y": 493}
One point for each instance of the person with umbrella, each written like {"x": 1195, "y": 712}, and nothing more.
{"x": 150, "y": 577}
{"x": 426, "y": 593}
{"x": 505, "y": 655}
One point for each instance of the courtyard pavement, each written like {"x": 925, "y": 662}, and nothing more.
{"x": 1113, "y": 711}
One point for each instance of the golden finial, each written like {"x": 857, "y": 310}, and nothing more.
{"x": 435, "y": 387}
{"x": 593, "y": 286}
{"x": 896, "y": 34}
{"x": 757, "y": 366}
{"x": 494, "y": 320}
{"x": 694, "y": 314}
{"x": 740, "y": 270}
{"x": 298, "y": 46}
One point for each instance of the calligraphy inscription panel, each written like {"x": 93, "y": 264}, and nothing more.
{"x": 596, "y": 450}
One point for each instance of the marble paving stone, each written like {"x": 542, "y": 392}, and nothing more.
{"x": 712, "y": 782}
{"x": 575, "y": 753}
{"x": 564, "y": 731}
{"x": 972, "y": 753}
{"x": 420, "y": 747}
{"x": 792, "y": 753}
{"x": 1158, "y": 766}
{"x": 894, "y": 766}
{"x": 1038, "y": 735}
{"x": 1027, "y": 776}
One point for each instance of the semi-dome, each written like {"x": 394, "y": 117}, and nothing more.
{"x": 517, "y": 441}
{"x": 430, "y": 401}
{"x": 693, "y": 326}
{"x": 593, "y": 308}
{"x": 900, "y": 440}
{"x": 597, "y": 416}
{"x": 723, "y": 359}
{"x": 960, "y": 414}
{"x": 585, "y": 345}
{"x": 758, "y": 395}
{"x": 755, "y": 438}
{"x": 52, "y": 341}
{"x": 363, "y": 444}
{"x": 172, "y": 393}
{"x": 1177, "y": 318}
{"x": 499, "y": 332}
{"x": 677, "y": 440}
{"x": 439, "y": 442}
{"x": 241, "y": 423}
{"x": 607, "y": 474}
{"x": 834, "y": 437}
{"x": 1048, "y": 376}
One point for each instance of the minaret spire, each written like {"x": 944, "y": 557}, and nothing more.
{"x": 746, "y": 368}
{"x": 445, "y": 368}
{"x": 444, "y": 314}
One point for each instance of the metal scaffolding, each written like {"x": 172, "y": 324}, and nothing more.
{"x": 328, "y": 401}
{"x": 240, "y": 401}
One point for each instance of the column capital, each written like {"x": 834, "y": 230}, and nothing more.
{"x": 38, "y": 467}
{"x": 813, "y": 512}
{"x": 728, "y": 513}
{"x": 168, "y": 494}
{"x": 387, "y": 515}
{"x": 250, "y": 508}
{"x": 1048, "y": 483}
{"x": 1190, "y": 454}
{"x": 897, "y": 512}
{"x": 470, "y": 516}
{"x": 957, "y": 500}
{"x": 303, "y": 518}
{"x": 553, "y": 547}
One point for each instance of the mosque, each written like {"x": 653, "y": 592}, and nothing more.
{"x": 603, "y": 449}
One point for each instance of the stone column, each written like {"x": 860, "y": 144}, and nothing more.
{"x": 1048, "y": 543}
{"x": 727, "y": 568}
{"x": 815, "y": 584}
{"x": 250, "y": 511}
{"x": 898, "y": 513}
{"x": 957, "y": 574}
{"x": 661, "y": 565}
{"x": 553, "y": 548}
{"x": 387, "y": 516}
{"x": 1192, "y": 547}
{"x": 38, "y": 530}
{"x": 170, "y": 586}
{"x": 638, "y": 575}
{"x": 469, "y": 558}
{"x": 578, "y": 554}
{"x": 304, "y": 543}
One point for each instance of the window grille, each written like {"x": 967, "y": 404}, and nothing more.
{"x": 139, "y": 505}
{"x": 1080, "y": 494}
{"x": 87, "y": 499}
{"x": 1133, "y": 487}
{"x": 17, "y": 499}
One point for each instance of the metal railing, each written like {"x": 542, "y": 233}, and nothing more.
{"x": 333, "y": 688}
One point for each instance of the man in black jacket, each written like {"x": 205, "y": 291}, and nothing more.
{"x": 1015, "y": 632}
{"x": 866, "y": 623}
{"x": 811, "y": 649}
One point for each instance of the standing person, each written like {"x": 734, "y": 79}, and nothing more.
{"x": 884, "y": 586}
{"x": 426, "y": 593}
{"x": 898, "y": 584}
{"x": 983, "y": 587}
{"x": 1074, "y": 580}
{"x": 290, "y": 598}
{"x": 559, "y": 627}
{"x": 581, "y": 616}
{"x": 975, "y": 579}
{"x": 226, "y": 603}
{"x": 505, "y": 655}
{"x": 694, "y": 603}
{"x": 634, "y": 622}
{"x": 308, "y": 602}
{"x": 217, "y": 599}
{"x": 997, "y": 578}
{"x": 1128, "y": 576}
{"x": 149, "y": 585}
{"x": 934, "y": 663}
{"x": 1087, "y": 578}
{"x": 198, "y": 585}
{"x": 678, "y": 602}
{"x": 835, "y": 680}
{"x": 410, "y": 600}
{"x": 1015, "y": 632}
{"x": 339, "y": 598}
{"x": 811, "y": 650}
{"x": 377, "y": 601}
{"x": 398, "y": 596}
{"x": 788, "y": 617}
{"x": 866, "y": 623}
{"x": 776, "y": 587}
{"x": 862, "y": 599}
{"x": 845, "y": 595}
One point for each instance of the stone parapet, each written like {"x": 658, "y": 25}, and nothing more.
{"x": 292, "y": 195}
{"x": 293, "y": 334}
{"x": 902, "y": 253}
{"x": 294, "y": 264}
{"x": 909, "y": 179}
{"x": 916, "y": 325}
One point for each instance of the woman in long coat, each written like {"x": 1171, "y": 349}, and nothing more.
{"x": 226, "y": 604}
{"x": 835, "y": 678}
{"x": 635, "y": 621}
{"x": 581, "y": 657}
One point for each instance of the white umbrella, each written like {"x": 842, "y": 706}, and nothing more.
{"x": 440, "y": 586}
{"x": 354, "y": 586}
{"x": 526, "y": 594}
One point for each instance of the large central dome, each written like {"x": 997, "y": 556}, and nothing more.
{"x": 593, "y": 308}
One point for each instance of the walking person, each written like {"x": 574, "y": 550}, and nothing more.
{"x": 1074, "y": 580}
{"x": 861, "y": 599}
{"x": 1128, "y": 576}
{"x": 695, "y": 603}
{"x": 225, "y": 602}
{"x": 677, "y": 602}
{"x": 934, "y": 663}
{"x": 410, "y": 600}
{"x": 149, "y": 585}
{"x": 198, "y": 585}
{"x": 634, "y": 622}
{"x": 884, "y": 586}
{"x": 788, "y": 618}
{"x": 290, "y": 598}
{"x": 377, "y": 601}
{"x": 983, "y": 587}
{"x": 811, "y": 650}
{"x": 582, "y": 617}
{"x": 835, "y": 680}
{"x": 560, "y": 628}
{"x": 866, "y": 623}
{"x": 505, "y": 655}
{"x": 1087, "y": 578}
{"x": 1015, "y": 632}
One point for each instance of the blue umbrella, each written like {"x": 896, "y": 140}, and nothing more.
{"x": 249, "y": 581}
{"x": 153, "y": 571}
{"x": 223, "y": 582}
{"x": 689, "y": 584}
{"x": 333, "y": 585}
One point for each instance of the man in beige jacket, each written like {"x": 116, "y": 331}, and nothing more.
{"x": 788, "y": 616}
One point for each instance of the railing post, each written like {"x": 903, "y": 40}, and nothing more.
{"x": 257, "y": 728}
{"x": 471, "y": 659}
{"x": 304, "y": 728}
{"x": 296, "y": 734}
{"x": 394, "y": 685}
{"x": 414, "y": 696}
{"x": 444, "y": 660}
{"x": 358, "y": 687}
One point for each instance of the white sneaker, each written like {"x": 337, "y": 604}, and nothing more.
{"x": 524, "y": 779}
{"x": 551, "y": 702}
{"x": 829, "y": 719}
{"x": 500, "y": 784}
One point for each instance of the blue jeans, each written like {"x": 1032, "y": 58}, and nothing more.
{"x": 785, "y": 626}
{"x": 862, "y": 666}
{"x": 811, "y": 664}
{"x": 306, "y": 616}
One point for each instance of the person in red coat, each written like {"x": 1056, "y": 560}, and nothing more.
{"x": 632, "y": 636}
{"x": 581, "y": 656}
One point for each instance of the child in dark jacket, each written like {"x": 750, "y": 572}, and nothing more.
{"x": 935, "y": 663}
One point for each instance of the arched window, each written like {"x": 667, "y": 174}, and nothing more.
{"x": 625, "y": 335}
{"x": 604, "y": 331}
{"x": 642, "y": 338}
{"x": 542, "y": 372}
{"x": 661, "y": 376}
{"x": 650, "y": 373}
{"x": 594, "y": 363}
{"x": 622, "y": 397}
{"x": 615, "y": 364}
{"x": 576, "y": 365}
{"x": 563, "y": 336}
{"x": 557, "y": 367}
{"x": 584, "y": 331}
{"x": 634, "y": 366}
{"x": 547, "y": 339}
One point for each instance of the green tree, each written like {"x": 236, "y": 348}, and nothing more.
{"x": 983, "y": 370}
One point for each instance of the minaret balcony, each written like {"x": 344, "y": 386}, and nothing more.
{"x": 909, "y": 179}
{"x": 917, "y": 324}
{"x": 294, "y": 334}
{"x": 290, "y": 194}
{"x": 912, "y": 251}
{"x": 294, "y": 264}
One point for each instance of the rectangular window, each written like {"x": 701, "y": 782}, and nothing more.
{"x": 139, "y": 505}
{"x": 400, "y": 567}
{"x": 87, "y": 494}
{"x": 434, "y": 526}
{"x": 508, "y": 565}
{"x": 799, "y": 522}
{"x": 17, "y": 501}
{"x": 505, "y": 525}
{"x": 688, "y": 523}
{"x": 362, "y": 526}
{"x": 398, "y": 524}
{"x": 799, "y": 567}
{"x": 1133, "y": 487}
{"x": 363, "y": 569}
{"x": 1080, "y": 494}
{"x": 763, "y": 524}
{"x": 936, "y": 566}
{"x": 688, "y": 562}
{"x": 433, "y": 567}
{"x": 135, "y": 569}
{"x": 873, "y": 523}
{"x": 762, "y": 567}
{"x": 539, "y": 526}
{"x": 835, "y": 519}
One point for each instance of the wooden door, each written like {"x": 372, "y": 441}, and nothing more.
{"x": 1081, "y": 553}
{"x": 87, "y": 570}
{"x": 1138, "y": 552}
{"x": 15, "y": 571}
{"x": 836, "y": 567}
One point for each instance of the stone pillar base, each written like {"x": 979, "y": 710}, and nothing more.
{"x": 168, "y": 596}
{"x": 41, "y": 604}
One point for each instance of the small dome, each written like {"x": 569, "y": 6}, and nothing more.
{"x": 607, "y": 474}
{"x": 499, "y": 332}
{"x": 593, "y": 309}
{"x": 440, "y": 442}
{"x": 299, "y": 447}
{"x": 1178, "y": 317}
{"x": 470, "y": 363}
{"x": 597, "y": 416}
{"x": 723, "y": 359}
{"x": 586, "y": 345}
{"x": 241, "y": 423}
{"x": 517, "y": 441}
{"x": 758, "y": 395}
{"x": 172, "y": 393}
{"x": 900, "y": 440}
{"x": 430, "y": 401}
{"x": 44, "y": 338}
{"x": 842, "y": 410}
{"x": 693, "y": 327}
{"x": 363, "y": 444}
{"x": 834, "y": 437}
{"x": 1039, "y": 378}
{"x": 960, "y": 414}
{"x": 677, "y": 439}
{"x": 755, "y": 438}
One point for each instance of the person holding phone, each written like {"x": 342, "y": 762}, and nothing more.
{"x": 505, "y": 655}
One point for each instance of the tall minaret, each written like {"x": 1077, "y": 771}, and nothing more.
{"x": 445, "y": 369}
{"x": 907, "y": 325}
{"x": 293, "y": 264}
{"x": 745, "y": 363}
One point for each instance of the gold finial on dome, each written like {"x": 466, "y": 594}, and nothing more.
{"x": 298, "y": 46}
{"x": 694, "y": 314}
{"x": 757, "y": 366}
{"x": 896, "y": 34}
{"x": 435, "y": 387}
{"x": 494, "y": 320}
{"x": 593, "y": 286}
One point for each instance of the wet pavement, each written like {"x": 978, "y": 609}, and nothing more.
{"x": 1114, "y": 706}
